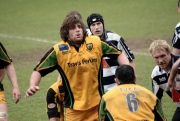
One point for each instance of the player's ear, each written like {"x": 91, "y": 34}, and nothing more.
{"x": 117, "y": 81}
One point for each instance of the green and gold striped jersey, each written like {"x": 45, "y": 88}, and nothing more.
{"x": 80, "y": 69}
{"x": 130, "y": 102}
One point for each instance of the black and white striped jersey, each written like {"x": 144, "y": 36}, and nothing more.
{"x": 159, "y": 82}
{"x": 176, "y": 37}
{"x": 109, "y": 65}
{"x": 160, "y": 78}
{"x": 88, "y": 31}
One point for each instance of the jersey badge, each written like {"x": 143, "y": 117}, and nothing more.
{"x": 63, "y": 47}
{"x": 89, "y": 46}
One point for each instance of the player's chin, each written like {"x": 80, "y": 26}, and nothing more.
{"x": 79, "y": 40}
{"x": 162, "y": 66}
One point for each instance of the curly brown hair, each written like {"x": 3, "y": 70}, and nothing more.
{"x": 69, "y": 23}
{"x": 74, "y": 13}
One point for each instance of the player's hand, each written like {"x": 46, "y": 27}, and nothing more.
{"x": 171, "y": 83}
{"x": 16, "y": 94}
{"x": 32, "y": 90}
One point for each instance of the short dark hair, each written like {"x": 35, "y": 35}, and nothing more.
{"x": 125, "y": 74}
{"x": 178, "y": 3}
{"x": 94, "y": 17}
{"x": 69, "y": 23}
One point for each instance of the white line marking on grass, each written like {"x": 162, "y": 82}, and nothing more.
{"x": 28, "y": 38}
{"x": 51, "y": 41}
{"x": 139, "y": 53}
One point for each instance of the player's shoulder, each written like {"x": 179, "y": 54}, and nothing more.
{"x": 112, "y": 35}
{"x": 156, "y": 71}
{"x": 92, "y": 37}
{"x": 60, "y": 42}
{"x": 146, "y": 91}
{"x": 111, "y": 93}
{"x": 178, "y": 25}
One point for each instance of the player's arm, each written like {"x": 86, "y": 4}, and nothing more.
{"x": 176, "y": 42}
{"x": 157, "y": 90}
{"x": 122, "y": 59}
{"x": 2, "y": 73}
{"x": 47, "y": 64}
{"x": 176, "y": 51}
{"x": 158, "y": 112}
{"x": 11, "y": 73}
{"x": 174, "y": 71}
{"x": 111, "y": 51}
{"x": 59, "y": 77}
{"x": 123, "y": 46}
{"x": 6, "y": 62}
{"x": 34, "y": 82}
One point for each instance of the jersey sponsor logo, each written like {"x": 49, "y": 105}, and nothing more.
{"x": 162, "y": 79}
{"x": 83, "y": 61}
{"x": 89, "y": 46}
{"x": 51, "y": 105}
{"x": 63, "y": 47}
{"x": 78, "y": 63}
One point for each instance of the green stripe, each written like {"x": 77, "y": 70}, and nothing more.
{"x": 101, "y": 79}
{"x": 107, "y": 48}
{"x": 4, "y": 56}
{"x": 49, "y": 62}
{"x": 159, "y": 109}
{"x": 67, "y": 87}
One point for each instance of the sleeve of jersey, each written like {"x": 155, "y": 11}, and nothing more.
{"x": 126, "y": 49}
{"x": 156, "y": 90}
{"x": 176, "y": 38}
{"x": 109, "y": 50}
{"x": 158, "y": 112}
{"x": 101, "y": 112}
{"x": 4, "y": 57}
{"x": 48, "y": 63}
{"x": 52, "y": 108}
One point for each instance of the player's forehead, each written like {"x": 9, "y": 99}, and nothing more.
{"x": 159, "y": 52}
{"x": 96, "y": 23}
{"x": 73, "y": 26}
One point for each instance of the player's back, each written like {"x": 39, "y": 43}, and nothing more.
{"x": 130, "y": 102}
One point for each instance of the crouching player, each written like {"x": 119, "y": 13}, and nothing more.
{"x": 55, "y": 99}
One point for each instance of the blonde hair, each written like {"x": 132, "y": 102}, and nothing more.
{"x": 159, "y": 45}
